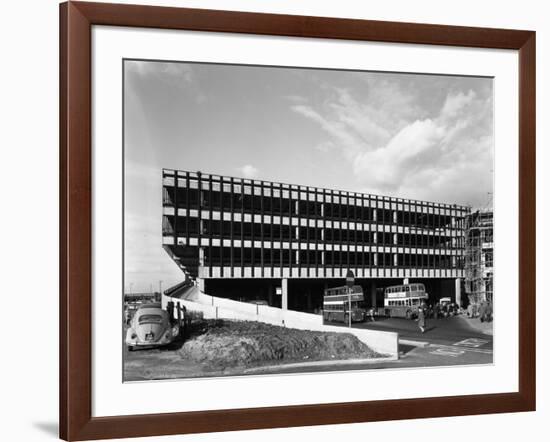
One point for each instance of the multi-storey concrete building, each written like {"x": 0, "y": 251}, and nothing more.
{"x": 255, "y": 239}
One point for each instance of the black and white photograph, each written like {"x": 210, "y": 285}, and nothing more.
{"x": 282, "y": 219}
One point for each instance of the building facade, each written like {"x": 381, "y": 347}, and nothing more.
{"x": 238, "y": 236}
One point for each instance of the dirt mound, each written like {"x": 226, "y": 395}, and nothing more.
{"x": 224, "y": 343}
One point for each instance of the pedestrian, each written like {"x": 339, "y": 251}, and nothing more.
{"x": 185, "y": 320}
{"x": 127, "y": 316}
{"x": 489, "y": 311}
{"x": 421, "y": 318}
{"x": 482, "y": 311}
{"x": 170, "y": 310}
{"x": 372, "y": 314}
{"x": 436, "y": 310}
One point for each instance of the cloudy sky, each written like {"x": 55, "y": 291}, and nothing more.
{"x": 414, "y": 136}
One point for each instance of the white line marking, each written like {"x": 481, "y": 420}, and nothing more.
{"x": 472, "y": 342}
{"x": 473, "y": 350}
{"x": 451, "y": 352}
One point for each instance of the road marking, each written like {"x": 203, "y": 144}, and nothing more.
{"x": 448, "y": 352}
{"x": 463, "y": 349}
{"x": 472, "y": 342}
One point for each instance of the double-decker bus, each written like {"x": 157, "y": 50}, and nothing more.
{"x": 402, "y": 301}
{"x": 336, "y": 304}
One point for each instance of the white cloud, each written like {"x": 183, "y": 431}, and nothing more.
{"x": 248, "y": 171}
{"x": 395, "y": 146}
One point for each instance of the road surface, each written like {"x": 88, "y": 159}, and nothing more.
{"x": 446, "y": 342}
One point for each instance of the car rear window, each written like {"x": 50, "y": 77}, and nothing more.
{"x": 150, "y": 318}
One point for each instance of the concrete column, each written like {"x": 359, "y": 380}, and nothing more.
{"x": 201, "y": 284}
{"x": 458, "y": 294}
{"x": 372, "y": 291}
{"x": 395, "y": 260}
{"x": 284, "y": 294}
{"x": 270, "y": 294}
{"x": 201, "y": 256}
{"x": 405, "y": 280}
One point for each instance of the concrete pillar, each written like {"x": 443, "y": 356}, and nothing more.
{"x": 405, "y": 280}
{"x": 284, "y": 294}
{"x": 458, "y": 294}
{"x": 395, "y": 260}
{"x": 372, "y": 291}
{"x": 201, "y": 256}
{"x": 270, "y": 294}
{"x": 201, "y": 283}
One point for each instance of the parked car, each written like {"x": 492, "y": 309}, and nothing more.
{"x": 150, "y": 327}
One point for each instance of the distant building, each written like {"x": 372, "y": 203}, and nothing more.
{"x": 478, "y": 265}
{"x": 254, "y": 239}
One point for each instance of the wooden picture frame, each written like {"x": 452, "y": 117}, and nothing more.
{"x": 76, "y": 21}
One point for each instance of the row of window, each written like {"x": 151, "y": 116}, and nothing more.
{"x": 189, "y": 198}
{"x": 277, "y": 232}
{"x": 403, "y": 302}
{"x": 342, "y": 307}
{"x": 226, "y": 256}
{"x": 405, "y": 288}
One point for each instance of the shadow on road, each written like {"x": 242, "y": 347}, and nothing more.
{"x": 404, "y": 349}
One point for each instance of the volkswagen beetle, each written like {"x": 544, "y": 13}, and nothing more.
{"x": 150, "y": 327}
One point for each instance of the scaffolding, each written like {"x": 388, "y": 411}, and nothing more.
{"x": 478, "y": 265}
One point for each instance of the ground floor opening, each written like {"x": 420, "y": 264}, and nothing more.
{"x": 306, "y": 295}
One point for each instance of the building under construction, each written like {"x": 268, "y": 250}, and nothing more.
{"x": 478, "y": 256}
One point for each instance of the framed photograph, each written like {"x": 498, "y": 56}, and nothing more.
{"x": 274, "y": 220}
